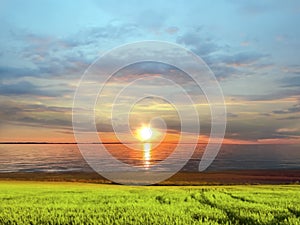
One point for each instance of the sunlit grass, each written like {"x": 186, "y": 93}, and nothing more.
{"x": 82, "y": 203}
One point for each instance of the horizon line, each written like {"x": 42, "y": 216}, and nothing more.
{"x": 45, "y": 142}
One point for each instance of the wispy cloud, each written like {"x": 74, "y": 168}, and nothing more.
{"x": 294, "y": 109}
{"x": 287, "y": 130}
{"x": 25, "y": 88}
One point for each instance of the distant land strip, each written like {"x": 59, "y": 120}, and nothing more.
{"x": 289, "y": 176}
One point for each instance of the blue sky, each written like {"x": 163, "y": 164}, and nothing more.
{"x": 251, "y": 46}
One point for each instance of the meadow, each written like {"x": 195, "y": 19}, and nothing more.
{"x": 33, "y": 202}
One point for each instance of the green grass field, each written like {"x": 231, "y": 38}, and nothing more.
{"x": 82, "y": 203}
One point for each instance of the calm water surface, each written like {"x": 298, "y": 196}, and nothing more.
{"x": 67, "y": 157}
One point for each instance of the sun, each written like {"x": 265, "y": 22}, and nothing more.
{"x": 144, "y": 133}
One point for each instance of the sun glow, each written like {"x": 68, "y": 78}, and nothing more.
{"x": 144, "y": 133}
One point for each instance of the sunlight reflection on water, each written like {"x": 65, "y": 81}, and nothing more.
{"x": 66, "y": 157}
{"x": 147, "y": 154}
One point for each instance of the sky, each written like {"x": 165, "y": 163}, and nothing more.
{"x": 252, "y": 47}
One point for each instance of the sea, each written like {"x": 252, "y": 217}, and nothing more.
{"x": 68, "y": 158}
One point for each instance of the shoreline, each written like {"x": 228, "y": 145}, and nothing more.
{"x": 288, "y": 176}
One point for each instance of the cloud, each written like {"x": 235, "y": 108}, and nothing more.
{"x": 39, "y": 108}
{"x": 291, "y": 69}
{"x": 152, "y": 70}
{"x": 293, "y": 76}
{"x": 242, "y": 58}
{"x": 223, "y": 71}
{"x": 232, "y": 115}
{"x": 237, "y": 64}
{"x": 22, "y": 88}
{"x": 114, "y": 31}
{"x": 35, "y": 114}
{"x": 266, "y": 114}
{"x": 294, "y": 109}
{"x": 287, "y": 130}
{"x": 207, "y": 48}
{"x": 47, "y": 122}
{"x": 291, "y": 81}
{"x": 7, "y": 72}
{"x": 50, "y": 56}
{"x": 224, "y": 60}
{"x": 11, "y": 108}
{"x": 68, "y": 65}
{"x": 277, "y": 95}
{"x": 257, "y": 8}
{"x": 172, "y": 30}
{"x": 290, "y": 118}
{"x": 250, "y": 128}
{"x": 197, "y": 43}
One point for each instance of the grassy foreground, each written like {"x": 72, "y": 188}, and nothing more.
{"x": 24, "y": 202}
